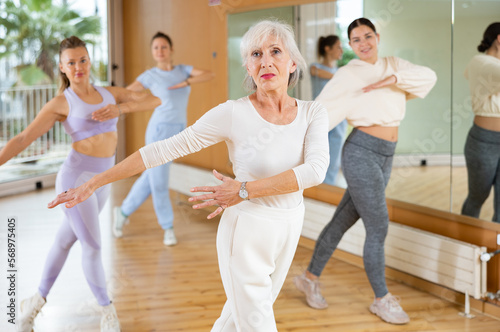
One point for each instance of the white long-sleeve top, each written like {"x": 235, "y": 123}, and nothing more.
{"x": 344, "y": 98}
{"x": 257, "y": 148}
{"x": 483, "y": 73}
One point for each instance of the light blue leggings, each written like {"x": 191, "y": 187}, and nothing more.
{"x": 80, "y": 223}
{"x": 154, "y": 181}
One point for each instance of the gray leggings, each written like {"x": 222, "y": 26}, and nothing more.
{"x": 482, "y": 155}
{"x": 366, "y": 163}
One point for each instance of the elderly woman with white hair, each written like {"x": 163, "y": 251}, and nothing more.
{"x": 278, "y": 146}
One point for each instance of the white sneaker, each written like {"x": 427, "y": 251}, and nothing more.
{"x": 312, "y": 290}
{"x": 169, "y": 237}
{"x": 30, "y": 307}
{"x": 118, "y": 221}
{"x": 389, "y": 310}
{"x": 109, "y": 320}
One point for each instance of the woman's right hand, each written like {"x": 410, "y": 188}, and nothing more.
{"x": 72, "y": 197}
{"x": 107, "y": 112}
{"x": 381, "y": 84}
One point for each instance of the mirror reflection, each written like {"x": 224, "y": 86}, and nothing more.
{"x": 475, "y": 111}
{"x": 429, "y": 166}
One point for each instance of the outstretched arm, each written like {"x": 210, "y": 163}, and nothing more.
{"x": 53, "y": 111}
{"x": 206, "y": 133}
{"x": 131, "y": 165}
{"x": 127, "y": 101}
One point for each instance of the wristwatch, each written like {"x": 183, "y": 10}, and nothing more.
{"x": 243, "y": 191}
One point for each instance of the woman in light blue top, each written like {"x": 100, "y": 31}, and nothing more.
{"x": 172, "y": 85}
{"x": 329, "y": 51}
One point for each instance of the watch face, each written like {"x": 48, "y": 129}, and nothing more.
{"x": 243, "y": 193}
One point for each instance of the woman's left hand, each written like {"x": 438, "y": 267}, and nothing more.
{"x": 224, "y": 195}
{"x": 182, "y": 84}
{"x": 381, "y": 84}
{"x": 106, "y": 113}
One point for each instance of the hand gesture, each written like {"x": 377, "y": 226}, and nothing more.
{"x": 72, "y": 196}
{"x": 182, "y": 84}
{"x": 381, "y": 84}
{"x": 223, "y": 195}
{"x": 106, "y": 113}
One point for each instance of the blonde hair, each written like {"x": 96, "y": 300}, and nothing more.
{"x": 257, "y": 33}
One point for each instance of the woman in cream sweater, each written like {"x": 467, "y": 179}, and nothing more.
{"x": 482, "y": 148}
{"x": 371, "y": 93}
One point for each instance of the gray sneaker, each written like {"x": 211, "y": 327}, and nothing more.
{"x": 118, "y": 221}
{"x": 389, "y": 310}
{"x": 312, "y": 290}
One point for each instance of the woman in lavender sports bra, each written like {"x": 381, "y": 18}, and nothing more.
{"x": 93, "y": 151}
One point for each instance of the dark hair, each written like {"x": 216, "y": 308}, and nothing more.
{"x": 324, "y": 42}
{"x": 359, "y": 22}
{"x": 489, "y": 36}
{"x": 68, "y": 43}
{"x": 162, "y": 35}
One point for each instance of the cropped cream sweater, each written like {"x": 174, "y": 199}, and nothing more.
{"x": 483, "y": 73}
{"x": 344, "y": 98}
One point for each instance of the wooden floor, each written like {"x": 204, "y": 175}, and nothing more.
{"x": 158, "y": 288}
{"x": 430, "y": 186}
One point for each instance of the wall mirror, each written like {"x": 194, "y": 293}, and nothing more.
{"x": 429, "y": 165}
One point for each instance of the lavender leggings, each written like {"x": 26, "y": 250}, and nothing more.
{"x": 80, "y": 223}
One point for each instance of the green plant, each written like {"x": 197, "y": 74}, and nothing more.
{"x": 31, "y": 30}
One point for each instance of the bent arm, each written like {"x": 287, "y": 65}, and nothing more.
{"x": 135, "y": 86}
{"x": 417, "y": 81}
{"x": 127, "y": 101}
{"x": 316, "y": 150}
{"x": 200, "y": 76}
{"x": 311, "y": 172}
{"x": 196, "y": 76}
{"x": 308, "y": 174}
{"x": 321, "y": 73}
{"x": 135, "y": 101}
{"x": 45, "y": 120}
{"x": 335, "y": 97}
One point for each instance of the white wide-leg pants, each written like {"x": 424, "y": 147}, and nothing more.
{"x": 255, "y": 247}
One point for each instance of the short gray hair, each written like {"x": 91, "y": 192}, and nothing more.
{"x": 253, "y": 39}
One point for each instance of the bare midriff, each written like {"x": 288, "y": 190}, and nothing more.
{"x": 101, "y": 145}
{"x": 487, "y": 122}
{"x": 385, "y": 133}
